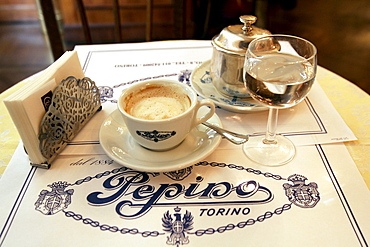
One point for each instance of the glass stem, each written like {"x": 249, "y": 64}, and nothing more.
{"x": 271, "y": 127}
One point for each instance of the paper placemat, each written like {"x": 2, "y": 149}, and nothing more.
{"x": 115, "y": 67}
{"x": 319, "y": 199}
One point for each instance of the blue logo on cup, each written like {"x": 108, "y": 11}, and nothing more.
{"x": 156, "y": 135}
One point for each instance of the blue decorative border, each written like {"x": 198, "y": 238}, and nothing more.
{"x": 104, "y": 227}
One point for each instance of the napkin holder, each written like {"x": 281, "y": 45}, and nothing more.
{"x": 73, "y": 104}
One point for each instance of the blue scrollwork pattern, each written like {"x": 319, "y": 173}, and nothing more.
{"x": 180, "y": 227}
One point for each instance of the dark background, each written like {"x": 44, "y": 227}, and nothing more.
{"x": 339, "y": 28}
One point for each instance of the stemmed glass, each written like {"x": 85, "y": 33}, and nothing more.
{"x": 279, "y": 71}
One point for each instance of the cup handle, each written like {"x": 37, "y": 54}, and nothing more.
{"x": 212, "y": 109}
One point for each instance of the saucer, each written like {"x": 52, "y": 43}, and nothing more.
{"x": 201, "y": 81}
{"x": 121, "y": 147}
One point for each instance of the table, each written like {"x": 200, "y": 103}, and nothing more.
{"x": 222, "y": 199}
{"x": 352, "y": 103}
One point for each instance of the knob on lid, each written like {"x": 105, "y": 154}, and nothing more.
{"x": 235, "y": 38}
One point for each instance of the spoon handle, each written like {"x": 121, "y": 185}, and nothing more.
{"x": 233, "y": 137}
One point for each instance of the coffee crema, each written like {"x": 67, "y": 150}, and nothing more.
{"x": 157, "y": 102}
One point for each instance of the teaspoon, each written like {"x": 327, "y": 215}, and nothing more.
{"x": 233, "y": 137}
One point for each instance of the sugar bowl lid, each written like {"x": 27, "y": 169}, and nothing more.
{"x": 235, "y": 38}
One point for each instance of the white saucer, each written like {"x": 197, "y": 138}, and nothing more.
{"x": 201, "y": 81}
{"x": 121, "y": 147}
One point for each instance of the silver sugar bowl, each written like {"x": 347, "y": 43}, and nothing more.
{"x": 229, "y": 48}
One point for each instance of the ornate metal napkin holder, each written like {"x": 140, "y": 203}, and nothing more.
{"x": 73, "y": 104}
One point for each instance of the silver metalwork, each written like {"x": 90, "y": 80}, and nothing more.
{"x": 229, "y": 48}
{"x": 233, "y": 137}
{"x": 73, "y": 104}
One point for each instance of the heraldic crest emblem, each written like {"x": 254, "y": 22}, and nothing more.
{"x": 301, "y": 194}
{"x": 178, "y": 227}
{"x": 51, "y": 202}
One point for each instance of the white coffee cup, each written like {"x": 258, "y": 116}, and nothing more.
{"x": 177, "y": 106}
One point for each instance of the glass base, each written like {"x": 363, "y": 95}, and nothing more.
{"x": 275, "y": 154}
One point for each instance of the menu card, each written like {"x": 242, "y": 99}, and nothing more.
{"x": 88, "y": 199}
